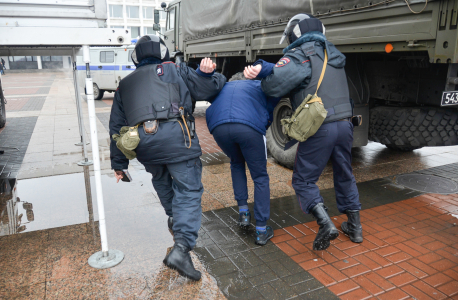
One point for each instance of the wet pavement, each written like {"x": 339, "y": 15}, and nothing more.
{"x": 411, "y": 236}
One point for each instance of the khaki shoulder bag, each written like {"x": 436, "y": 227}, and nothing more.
{"x": 309, "y": 116}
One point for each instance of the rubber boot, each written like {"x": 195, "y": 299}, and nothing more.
{"x": 353, "y": 226}
{"x": 170, "y": 222}
{"x": 327, "y": 231}
{"x": 179, "y": 259}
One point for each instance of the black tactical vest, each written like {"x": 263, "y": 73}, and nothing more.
{"x": 333, "y": 89}
{"x": 146, "y": 97}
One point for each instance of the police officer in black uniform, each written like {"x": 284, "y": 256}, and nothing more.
{"x": 157, "y": 96}
{"x": 297, "y": 75}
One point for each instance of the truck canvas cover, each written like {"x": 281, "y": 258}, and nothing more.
{"x": 204, "y": 17}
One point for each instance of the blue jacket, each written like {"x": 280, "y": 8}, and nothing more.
{"x": 244, "y": 102}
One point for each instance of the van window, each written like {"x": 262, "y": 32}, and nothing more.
{"x": 129, "y": 55}
{"x": 106, "y": 56}
{"x": 171, "y": 19}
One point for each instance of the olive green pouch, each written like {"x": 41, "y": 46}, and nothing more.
{"x": 309, "y": 116}
{"x": 127, "y": 141}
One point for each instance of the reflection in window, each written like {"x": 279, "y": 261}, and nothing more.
{"x": 148, "y": 12}
{"x": 149, "y": 30}
{"x": 106, "y": 56}
{"x": 132, "y": 12}
{"x": 56, "y": 58}
{"x": 116, "y": 11}
{"x": 134, "y": 31}
{"x": 171, "y": 20}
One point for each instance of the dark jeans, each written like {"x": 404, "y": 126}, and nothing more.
{"x": 180, "y": 189}
{"x": 333, "y": 142}
{"x": 241, "y": 144}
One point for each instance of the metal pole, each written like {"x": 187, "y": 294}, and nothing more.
{"x": 105, "y": 258}
{"x": 75, "y": 82}
{"x": 90, "y": 209}
{"x": 79, "y": 109}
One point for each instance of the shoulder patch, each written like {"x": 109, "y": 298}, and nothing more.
{"x": 160, "y": 70}
{"x": 282, "y": 62}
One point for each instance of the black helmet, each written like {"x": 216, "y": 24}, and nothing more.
{"x": 150, "y": 45}
{"x": 300, "y": 24}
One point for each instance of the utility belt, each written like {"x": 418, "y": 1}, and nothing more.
{"x": 128, "y": 138}
{"x": 151, "y": 127}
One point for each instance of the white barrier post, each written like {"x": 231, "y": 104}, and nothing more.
{"x": 105, "y": 258}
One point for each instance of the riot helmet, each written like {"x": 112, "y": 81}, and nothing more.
{"x": 150, "y": 45}
{"x": 300, "y": 24}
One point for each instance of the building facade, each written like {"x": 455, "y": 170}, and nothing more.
{"x": 135, "y": 15}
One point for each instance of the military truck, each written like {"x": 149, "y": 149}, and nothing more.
{"x": 402, "y": 59}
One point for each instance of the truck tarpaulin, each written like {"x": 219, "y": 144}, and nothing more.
{"x": 208, "y": 17}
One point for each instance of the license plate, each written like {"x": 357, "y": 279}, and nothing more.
{"x": 449, "y": 98}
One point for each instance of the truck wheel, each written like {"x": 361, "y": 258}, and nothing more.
{"x": 98, "y": 93}
{"x": 402, "y": 149}
{"x": 2, "y": 108}
{"x": 276, "y": 138}
{"x": 410, "y": 128}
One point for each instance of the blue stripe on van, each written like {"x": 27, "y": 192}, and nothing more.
{"x": 125, "y": 68}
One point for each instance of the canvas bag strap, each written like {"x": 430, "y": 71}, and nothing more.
{"x": 323, "y": 71}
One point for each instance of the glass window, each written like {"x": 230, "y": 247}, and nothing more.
{"x": 132, "y": 12}
{"x": 148, "y": 12}
{"x": 171, "y": 20}
{"x": 162, "y": 15}
{"x": 46, "y": 58}
{"x": 106, "y": 56}
{"x": 134, "y": 31}
{"x": 149, "y": 30}
{"x": 116, "y": 11}
{"x": 19, "y": 58}
{"x": 10, "y": 58}
{"x": 56, "y": 58}
{"x": 162, "y": 30}
{"x": 122, "y": 27}
{"x": 130, "y": 55}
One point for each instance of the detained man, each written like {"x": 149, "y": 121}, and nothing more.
{"x": 238, "y": 119}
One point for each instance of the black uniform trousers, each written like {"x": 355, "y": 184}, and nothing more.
{"x": 333, "y": 141}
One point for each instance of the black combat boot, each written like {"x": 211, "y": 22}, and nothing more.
{"x": 353, "y": 226}
{"x": 327, "y": 231}
{"x": 244, "y": 219}
{"x": 180, "y": 260}
{"x": 170, "y": 223}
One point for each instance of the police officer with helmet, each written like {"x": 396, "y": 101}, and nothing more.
{"x": 156, "y": 97}
{"x": 297, "y": 75}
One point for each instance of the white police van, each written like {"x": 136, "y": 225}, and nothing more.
{"x": 108, "y": 66}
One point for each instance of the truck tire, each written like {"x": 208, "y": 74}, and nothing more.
{"x": 410, "y": 128}
{"x": 98, "y": 93}
{"x": 276, "y": 139}
{"x": 2, "y": 108}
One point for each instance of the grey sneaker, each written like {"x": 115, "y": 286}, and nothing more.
{"x": 262, "y": 237}
{"x": 245, "y": 219}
